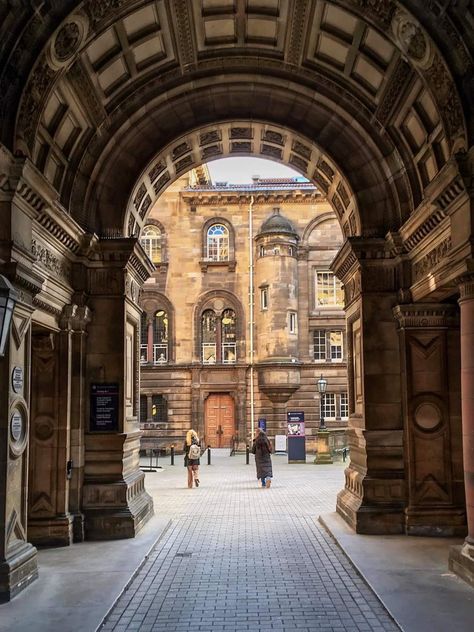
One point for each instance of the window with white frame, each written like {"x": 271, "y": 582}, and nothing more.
{"x": 328, "y": 290}
{"x": 264, "y": 298}
{"x": 344, "y": 406}
{"x": 217, "y": 243}
{"x": 328, "y": 346}
{"x": 335, "y": 345}
{"x": 151, "y": 241}
{"x": 328, "y": 406}
{"x": 292, "y": 322}
{"x": 319, "y": 345}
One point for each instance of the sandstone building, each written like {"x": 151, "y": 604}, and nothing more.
{"x": 106, "y": 103}
{"x": 195, "y": 341}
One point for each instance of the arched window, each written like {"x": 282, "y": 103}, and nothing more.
{"x": 151, "y": 240}
{"x": 160, "y": 337}
{"x": 218, "y": 337}
{"x": 217, "y": 244}
{"x": 143, "y": 339}
{"x": 209, "y": 337}
{"x": 228, "y": 336}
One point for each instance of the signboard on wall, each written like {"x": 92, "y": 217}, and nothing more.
{"x": 104, "y": 400}
{"x": 295, "y": 423}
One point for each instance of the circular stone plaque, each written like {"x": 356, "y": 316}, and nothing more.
{"x": 17, "y": 379}
{"x": 427, "y": 416}
{"x": 16, "y": 426}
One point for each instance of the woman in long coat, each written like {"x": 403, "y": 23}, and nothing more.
{"x": 262, "y": 448}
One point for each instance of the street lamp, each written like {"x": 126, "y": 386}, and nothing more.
{"x": 322, "y": 386}
{"x": 8, "y": 298}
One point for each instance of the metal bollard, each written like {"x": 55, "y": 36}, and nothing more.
{"x": 172, "y": 455}
{"x": 209, "y": 455}
{"x": 247, "y": 455}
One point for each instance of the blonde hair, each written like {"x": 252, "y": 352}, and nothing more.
{"x": 189, "y": 436}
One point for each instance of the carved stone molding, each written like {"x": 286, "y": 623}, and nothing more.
{"x": 432, "y": 259}
{"x": 47, "y": 259}
{"x": 399, "y": 79}
{"x": 75, "y": 318}
{"x": 426, "y": 315}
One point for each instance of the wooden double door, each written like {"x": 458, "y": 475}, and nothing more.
{"x": 219, "y": 420}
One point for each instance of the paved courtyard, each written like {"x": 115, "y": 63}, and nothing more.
{"x": 238, "y": 557}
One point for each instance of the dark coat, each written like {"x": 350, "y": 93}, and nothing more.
{"x": 262, "y": 448}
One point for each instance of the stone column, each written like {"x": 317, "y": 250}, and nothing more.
{"x": 150, "y": 340}
{"x": 49, "y": 520}
{"x": 18, "y": 558}
{"x": 429, "y": 341}
{"x": 80, "y": 318}
{"x": 115, "y": 503}
{"x": 373, "y": 499}
{"x": 462, "y": 558}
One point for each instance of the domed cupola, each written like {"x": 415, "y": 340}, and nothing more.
{"x": 277, "y": 224}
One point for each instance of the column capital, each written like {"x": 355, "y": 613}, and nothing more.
{"x": 75, "y": 318}
{"x": 466, "y": 287}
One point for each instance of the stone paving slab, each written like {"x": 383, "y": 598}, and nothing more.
{"x": 411, "y": 577}
{"x": 239, "y": 557}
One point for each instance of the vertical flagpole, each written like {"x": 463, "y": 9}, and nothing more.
{"x": 251, "y": 320}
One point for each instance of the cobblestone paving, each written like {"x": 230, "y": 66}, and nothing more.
{"x": 238, "y": 557}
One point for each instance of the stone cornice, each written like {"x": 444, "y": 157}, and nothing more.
{"x": 291, "y": 196}
{"x": 426, "y": 315}
{"x": 360, "y": 252}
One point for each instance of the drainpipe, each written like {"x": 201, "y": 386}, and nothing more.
{"x": 251, "y": 320}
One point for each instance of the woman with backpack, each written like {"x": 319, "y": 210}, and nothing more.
{"x": 262, "y": 448}
{"x": 192, "y": 453}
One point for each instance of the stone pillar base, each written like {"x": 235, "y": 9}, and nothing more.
{"x": 323, "y": 456}
{"x": 115, "y": 503}
{"x": 121, "y": 508}
{"x": 50, "y": 531}
{"x": 381, "y": 519}
{"x": 461, "y": 561}
{"x": 18, "y": 570}
{"x": 434, "y": 522}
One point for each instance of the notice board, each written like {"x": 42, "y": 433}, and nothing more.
{"x": 104, "y": 401}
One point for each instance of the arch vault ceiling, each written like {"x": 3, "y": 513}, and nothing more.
{"x": 93, "y": 91}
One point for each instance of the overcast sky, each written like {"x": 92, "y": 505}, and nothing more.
{"x": 241, "y": 170}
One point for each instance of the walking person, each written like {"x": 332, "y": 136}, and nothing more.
{"x": 262, "y": 448}
{"x": 192, "y": 453}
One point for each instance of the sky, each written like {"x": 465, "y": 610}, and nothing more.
{"x": 241, "y": 170}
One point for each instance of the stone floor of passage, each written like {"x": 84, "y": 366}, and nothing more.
{"x": 232, "y": 556}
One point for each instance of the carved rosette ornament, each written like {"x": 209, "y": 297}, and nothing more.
{"x": 68, "y": 40}
{"x": 411, "y": 39}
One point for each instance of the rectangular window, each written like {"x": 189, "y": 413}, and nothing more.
{"x": 143, "y": 409}
{"x": 335, "y": 345}
{"x": 328, "y": 290}
{"x": 264, "y": 298}
{"x": 292, "y": 322}
{"x": 329, "y": 406}
{"x": 319, "y": 345}
{"x": 344, "y": 403}
{"x": 159, "y": 410}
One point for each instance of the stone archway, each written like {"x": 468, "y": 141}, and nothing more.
{"x": 104, "y": 103}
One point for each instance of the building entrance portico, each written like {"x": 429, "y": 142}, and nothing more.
{"x": 106, "y": 104}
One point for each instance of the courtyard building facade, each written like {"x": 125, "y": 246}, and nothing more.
{"x": 196, "y": 349}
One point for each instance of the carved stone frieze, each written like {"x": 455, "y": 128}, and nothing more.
{"x": 98, "y": 10}
{"x": 34, "y": 97}
{"x": 425, "y": 315}
{"x": 85, "y": 90}
{"x": 297, "y": 31}
{"x": 184, "y": 33}
{"x": 432, "y": 259}
{"x": 393, "y": 92}
{"x": 60, "y": 267}
{"x": 425, "y": 229}
{"x": 380, "y": 11}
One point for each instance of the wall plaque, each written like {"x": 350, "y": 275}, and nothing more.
{"x": 104, "y": 400}
{"x": 17, "y": 379}
{"x": 16, "y": 426}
